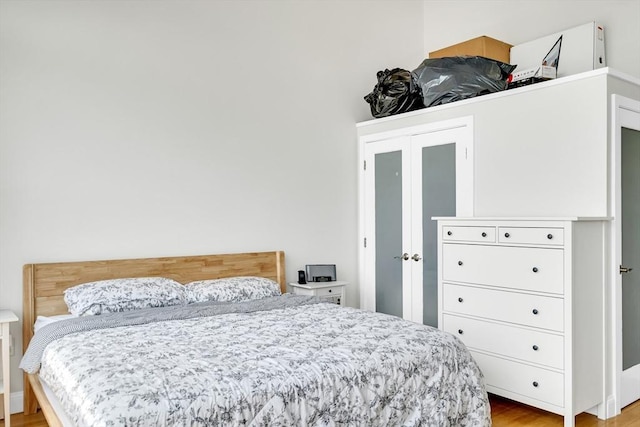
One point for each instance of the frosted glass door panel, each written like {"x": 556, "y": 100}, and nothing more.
{"x": 438, "y": 199}
{"x": 388, "y": 232}
{"x": 630, "y": 171}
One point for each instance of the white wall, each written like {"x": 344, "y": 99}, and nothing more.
{"x": 449, "y": 22}
{"x": 159, "y": 128}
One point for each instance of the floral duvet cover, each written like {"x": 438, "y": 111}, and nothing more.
{"x": 281, "y": 361}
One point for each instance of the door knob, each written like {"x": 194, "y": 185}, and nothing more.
{"x": 625, "y": 269}
{"x": 404, "y": 256}
{"x": 416, "y": 257}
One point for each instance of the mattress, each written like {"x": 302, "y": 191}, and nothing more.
{"x": 281, "y": 361}
{"x": 55, "y": 404}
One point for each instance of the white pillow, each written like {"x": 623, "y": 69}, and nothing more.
{"x": 110, "y": 296}
{"x": 235, "y": 289}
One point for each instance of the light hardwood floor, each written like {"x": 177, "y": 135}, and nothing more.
{"x": 505, "y": 413}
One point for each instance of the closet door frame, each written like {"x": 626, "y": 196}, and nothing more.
{"x": 458, "y": 131}
{"x": 625, "y": 112}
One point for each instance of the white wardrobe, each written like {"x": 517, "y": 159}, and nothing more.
{"x": 546, "y": 150}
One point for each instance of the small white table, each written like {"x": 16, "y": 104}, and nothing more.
{"x": 332, "y": 291}
{"x": 6, "y": 317}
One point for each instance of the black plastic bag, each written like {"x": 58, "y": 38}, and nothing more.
{"x": 448, "y": 79}
{"x": 394, "y": 93}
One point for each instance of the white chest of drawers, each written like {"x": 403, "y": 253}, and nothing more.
{"x": 526, "y": 296}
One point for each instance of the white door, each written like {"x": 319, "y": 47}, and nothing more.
{"x": 442, "y": 185}
{"x": 387, "y": 197}
{"x": 407, "y": 180}
{"x": 627, "y": 248}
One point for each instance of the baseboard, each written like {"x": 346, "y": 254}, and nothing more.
{"x": 610, "y": 408}
{"x": 604, "y": 410}
{"x": 16, "y": 401}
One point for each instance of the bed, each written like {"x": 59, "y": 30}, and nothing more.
{"x": 278, "y": 360}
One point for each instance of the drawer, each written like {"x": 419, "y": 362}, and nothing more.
{"x": 523, "y": 309}
{"x": 326, "y": 292}
{"x": 531, "y": 235}
{"x": 533, "y": 382}
{"x": 531, "y": 346}
{"x": 534, "y": 269}
{"x": 302, "y": 291}
{"x": 469, "y": 234}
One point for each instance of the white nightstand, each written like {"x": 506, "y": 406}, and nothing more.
{"x": 333, "y": 291}
{"x": 6, "y": 317}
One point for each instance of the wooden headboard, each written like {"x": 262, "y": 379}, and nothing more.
{"x": 44, "y": 284}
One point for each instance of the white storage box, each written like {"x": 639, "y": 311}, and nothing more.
{"x": 582, "y": 50}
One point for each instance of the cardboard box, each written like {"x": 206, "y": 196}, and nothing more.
{"x": 480, "y": 46}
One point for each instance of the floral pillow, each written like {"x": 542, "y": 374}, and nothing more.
{"x": 110, "y": 296}
{"x": 232, "y": 289}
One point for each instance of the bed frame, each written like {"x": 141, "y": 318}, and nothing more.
{"x": 44, "y": 284}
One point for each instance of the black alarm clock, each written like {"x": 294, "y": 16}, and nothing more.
{"x": 302, "y": 279}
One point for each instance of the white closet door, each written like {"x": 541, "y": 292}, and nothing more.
{"x": 627, "y": 259}
{"x": 407, "y": 179}
{"x": 442, "y": 185}
{"x": 387, "y": 227}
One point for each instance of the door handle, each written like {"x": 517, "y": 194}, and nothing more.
{"x": 625, "y": 269}
{"x": 416, "y": 257}
{"x": 404, "y": 256}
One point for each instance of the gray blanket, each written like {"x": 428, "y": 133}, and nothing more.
{"x": 30, "y": 362}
